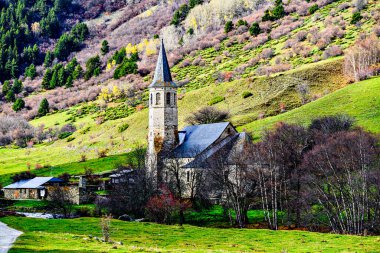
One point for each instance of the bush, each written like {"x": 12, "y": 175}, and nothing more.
{"x": 313, "y": 9}
{"x": 123, "y": 127}
{"x": 246, "y": 94}
{"x": 207, "y": 115}
{"x": 241, "y": 22}
{"x": 216, "y": 100}
{"x": 102, "y": 153}
{"x": 92, "y": 67}
{"x": 64, "y": 135}
{"x": 356, "y": 17}
{"x": 254, "y": 30}
{"x": 228, "y": 27}
{"x": 164, "y": 207}
{"x": 18, "y": 105}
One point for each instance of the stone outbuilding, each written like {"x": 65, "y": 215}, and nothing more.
{"x": 35, "y": 188}
{"x": 38, "y": 188}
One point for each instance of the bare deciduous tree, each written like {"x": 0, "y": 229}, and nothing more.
{"x": 105, "y": 223}
{"x": 340, "y": 172}
{"x": 207, "y": 115}
{"x": 232, "y": 174}
{"x": 361, "y": 58}
{"x": 61, "y": 200}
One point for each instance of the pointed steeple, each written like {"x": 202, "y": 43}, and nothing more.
{"x": 162, "y": 75}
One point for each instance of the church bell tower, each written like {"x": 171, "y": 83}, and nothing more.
{"x": 163, "y": 114}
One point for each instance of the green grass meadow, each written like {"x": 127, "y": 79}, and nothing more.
{"x": 360, "y": 101}
{"x": 73, "y": 236}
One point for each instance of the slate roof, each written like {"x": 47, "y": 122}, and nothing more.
{"x": 223, "y": 149}
{"x": 162, "y": 75}
{"x": 195, "y": 139}
{"x": 35, "y": 183}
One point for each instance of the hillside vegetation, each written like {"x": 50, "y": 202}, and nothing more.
{"x": 298, "y": 49}
{"x": 269, "y": 96}
{"x": 361, "y": 101}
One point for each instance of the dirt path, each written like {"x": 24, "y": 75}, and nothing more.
{"x": 7, "y": 237}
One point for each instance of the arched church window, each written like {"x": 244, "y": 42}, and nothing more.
{"x": 188, "y": 176}
{"x": 168, "y": 98}
{"x": 151, "y": 98}
{"x": 158, "y": 98}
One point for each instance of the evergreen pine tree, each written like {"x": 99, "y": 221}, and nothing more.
{"x": 47, "y": 78}
{"x": 6, "y": 87}
{"x": 69, "y": 82}
{"x": 18, "y": 105}
{"x": 49, "y": 57}
{"x": 31, "y": 71}
{"x": 61, "y": 76}
{"x": 44, "y": 108}
{"x": 10, "y": 97}
{"x": 54, "y": 80}
{"x": 105, "y": 47}
{"x": 78, "y": 72}
{"x": 17, "y": 86}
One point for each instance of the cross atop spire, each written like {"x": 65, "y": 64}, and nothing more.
{"x": 162, "y": 75}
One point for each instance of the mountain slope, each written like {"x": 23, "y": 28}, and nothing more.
{"x": 360, "y": 101}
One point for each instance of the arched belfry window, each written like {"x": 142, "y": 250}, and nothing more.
{"x": 151, "y": 98}
{"x": 168, "y": 98}
{"x": 158, "y": 98}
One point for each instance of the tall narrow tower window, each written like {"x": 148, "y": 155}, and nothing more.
{"x": 158, "y": 98}
{"x": 168, "y": 98}
{"x": 151, "y": 98}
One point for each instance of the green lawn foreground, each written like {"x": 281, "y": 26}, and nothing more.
{"x": 360, "y": 100}
{"x": 73, "y": 236}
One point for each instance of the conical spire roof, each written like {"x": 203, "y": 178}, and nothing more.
{"x": 162, "y": 75}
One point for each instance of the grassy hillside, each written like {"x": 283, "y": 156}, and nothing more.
{"x": 268, "y": 94}
{"x": 73, "y": 236}
{"x": 360, "y": 101}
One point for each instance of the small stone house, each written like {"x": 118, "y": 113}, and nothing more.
{"x": 38, "y": 189}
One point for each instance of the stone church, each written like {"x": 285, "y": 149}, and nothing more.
{"x": 193, "y": 146}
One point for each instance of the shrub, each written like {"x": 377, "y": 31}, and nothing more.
{"x": 313, "y": 9}
{"x": 123, "y": 127}
{"x": 216, "y": 100}
{"x": 246, "y": 94}
{"x": 83, "y": 158}
{"x": 241, "y": 22}
{"x": 207, "y": 115}
{"x": 102, "y": 153}
{"x": 228, "y": 26}
{"x": 254, "y": 30}
{"x": 18, "y": 105}
{"x": 105, "y": 47}
{"x": 64, "y": 135}
{"x": 92, "y": 67}
{"x": 23, "y": 176}
{"x": 332, "y": 51}
{"x": 163, "y": 207}
{"x": 356, "y": 17}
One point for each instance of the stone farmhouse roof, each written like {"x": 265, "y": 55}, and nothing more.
{"x": 35, "y": 183}
{"x": 196, "y": 139}
{"x": 162, "y": 75}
